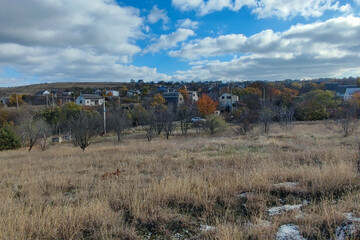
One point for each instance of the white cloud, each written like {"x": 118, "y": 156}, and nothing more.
{"x": 187, "y": 23}
{"x": 99, "y": 24}
{"x": 304, "y": 8}
{"x": 157, "y": 14}
{"x": 71, "y": 40}
{"x": 170, "y": 41}
{"x": 314, "y": 50}
{"x": 71, "y": 64}
{"x": 265, "y": 8}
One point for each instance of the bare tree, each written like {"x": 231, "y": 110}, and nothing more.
{"x": 119, "y": 122}
{"x": 85, "y": 127}
{"x": 169, "y": 125}
{"x": 286, "y": 117}
{"x": 147, "y": 120}
{"x": 186, "y": 112}
{"x": 31, "y": 128}
{"x": 348, "y": 122}
{"x": 266, "y": 117}
{"x": 245, "y": 121}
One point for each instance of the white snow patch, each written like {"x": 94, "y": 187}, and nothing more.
{"x": 350, "y": 228}
{"x": 206, "y": 228}
{"x": 289, "y": 232}
{"x": 282, "y": 209}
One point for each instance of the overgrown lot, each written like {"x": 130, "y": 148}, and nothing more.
{"x": 195, "y": 187}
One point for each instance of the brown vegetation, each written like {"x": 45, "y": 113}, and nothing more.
{"x": 172, "y": 188}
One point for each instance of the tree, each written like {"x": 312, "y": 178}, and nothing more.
{"x": 266, "y": 117}
{"x": 85, "y": 127}
{"x": 158, "y": 102}
{"x": 119, "y": 122}
{"x": 68, "y": 111}
{"x": 185, "y": 94}
{"x": 186, "y": 112}
{"x": 214, "y": 122}
{"x": 31, "y": 128}
{"x": 206, "y": 105}
{"x": 147, "y": 120}
{"x": 169, "y": 125}
{"x": 286, "y": 117}
{"x": 244, "y": 118}
{"x": 358, "y": 81}
{"x": 16, "y": 99}
{"x": 250, "y": 97}
{"x": 4, "y": 117}
{"x": 316, "y": 105}
{"x": 348, "y": 119}
{"x": 8, "y": 139}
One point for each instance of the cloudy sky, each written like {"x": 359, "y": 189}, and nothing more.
{"x": 178, "y": 40}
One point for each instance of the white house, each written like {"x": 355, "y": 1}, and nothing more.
{"x": 349, "y": 92}
{"x": 133, "y": 93}
{"x": 90, "y": 100}
{"x": 227, "y": 101}
{"x": 193, "y": 96}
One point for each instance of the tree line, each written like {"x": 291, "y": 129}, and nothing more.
{"x": 259, "y": 104}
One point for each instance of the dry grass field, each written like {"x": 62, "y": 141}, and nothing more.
{"x": 183, "y": 188}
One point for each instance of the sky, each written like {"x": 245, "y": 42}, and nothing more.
{"x": 177, "y": 40}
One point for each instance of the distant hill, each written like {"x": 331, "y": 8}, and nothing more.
{"x": 32, "y": 89}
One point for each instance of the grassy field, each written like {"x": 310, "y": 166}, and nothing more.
{"x": 182, "y": 188}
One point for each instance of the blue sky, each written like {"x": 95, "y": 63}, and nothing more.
{"x": 178, "y": 40}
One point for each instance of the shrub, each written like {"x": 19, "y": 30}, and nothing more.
{"x": 8, "y": 139}
{"x": 214, "y": 122}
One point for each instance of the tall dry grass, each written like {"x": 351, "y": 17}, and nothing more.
{"x": 170, "y": 188}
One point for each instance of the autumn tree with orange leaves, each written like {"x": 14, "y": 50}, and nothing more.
{"x": 206, "y": 105}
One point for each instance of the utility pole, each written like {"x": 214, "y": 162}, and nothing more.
{"x": 231, "y": 96}
{"x": 104, "y": 117}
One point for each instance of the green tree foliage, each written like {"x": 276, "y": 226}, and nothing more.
{"x": 15, "y": 99}
{"x": 8, "y": 139}
{"x": 316, "y": 105}
{"x": 214, "y": 122}
{"x": 51, "y": 115}
{"x": 3, "y": 118}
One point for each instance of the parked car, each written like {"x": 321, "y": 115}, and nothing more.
{"x": 197, "y": 119}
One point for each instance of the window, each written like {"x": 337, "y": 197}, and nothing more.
{"x": 222, "y": 97}
{"x": 80, "y": 102}
{"x": 228, "y": 97}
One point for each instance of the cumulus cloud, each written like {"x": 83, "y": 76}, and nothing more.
{"x": 187, "y": 23}
{"x": 71, "y": 40}
{"x": 312, "y": 50}
{"x": 304, "y": 8}
{"x": 171, "y": 40}
{"x": 157, "y": 14}
{"x": 71, "y": 64}
{"x": 96, "y": 24}
{"x": 265, "y": 8}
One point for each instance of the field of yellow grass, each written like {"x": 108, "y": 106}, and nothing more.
{"x": 182, "y": 188}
